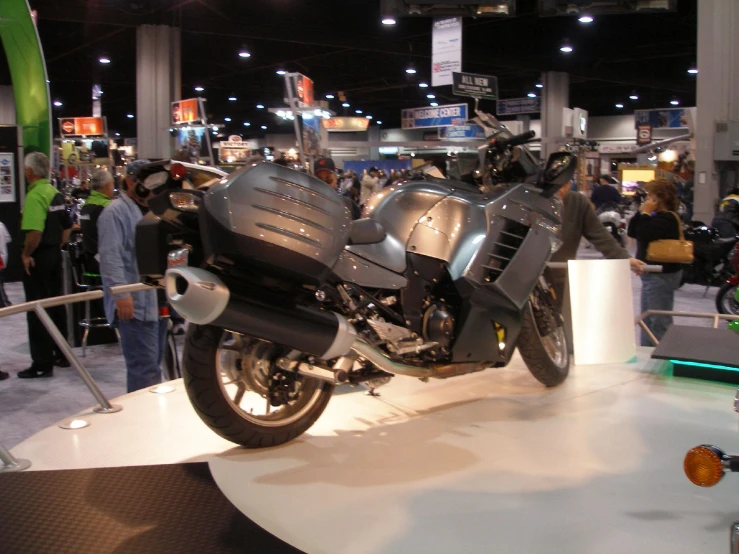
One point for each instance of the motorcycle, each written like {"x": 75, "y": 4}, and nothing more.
{"x": 727, "y": 299}
{"x": 288, "y": 298}
{"x": 612, "y": 217}
{"x": 710, "y": 267}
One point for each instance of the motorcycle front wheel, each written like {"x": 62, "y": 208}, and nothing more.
{"x": 237, "y": 390}
{"x": 726, "y": 302}
{"x": 543, "y": 345}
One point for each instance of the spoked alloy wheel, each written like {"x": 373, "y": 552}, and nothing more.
{"x": 238, "y": 391}
{"x": 726, "y": 302}
{"x": 542, "y": 342}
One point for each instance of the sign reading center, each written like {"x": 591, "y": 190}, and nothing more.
{"x": 477, "y": 86}
{"x": 439, "y": 116}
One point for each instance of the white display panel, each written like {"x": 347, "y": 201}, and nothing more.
{"x": 602, "y": 311}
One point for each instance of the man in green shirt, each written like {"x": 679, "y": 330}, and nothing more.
{"x": 47, "y": 225}
{"x": 101, "y": 196}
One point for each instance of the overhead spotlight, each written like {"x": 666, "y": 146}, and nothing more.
{"x": 260, "y": 106}
{"x": 227, "y": 119}
{"x": 410, "y": 70}
{"x": 58, "y": 103}
{"x": 264, "y": 127}
{"x": 232, "y": 99}
{"x": 281, "y": 72}
{"x": 434, "y": 104}
{"x": 330, "y": 97}
{"x": 693, "y": 70}
{"x": 675, "y": 102}
{"x": 357, "y": 111}
{"x": 531, "y": 95}
{"x": 388, "y": 21}
{"x": 430, "y": 96}
{"x": 118, "y": 134}
{"x": 566, "y": 47}
{"x": 244, "y": 54}
{"x": 634, "y": 96}
{"x": 586, "y": 19}
{"x": 345, "y": 104}
{"x": 104, "y": 60}
{"x": 423, "y": 85}
{"x": 247, "y": 124}
{"x": 129, "y": 116}
{"x": 379, "y": 122}
{"x": 368, "y": 116}
{"x": 619, "y": 106}
{"x": 539, "y": 85}
{"x": 199, "y": 89}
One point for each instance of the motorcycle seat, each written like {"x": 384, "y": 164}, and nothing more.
{"x": 366, "y": 231}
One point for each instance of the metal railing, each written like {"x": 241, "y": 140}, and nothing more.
{"x": 39, "y": 307}
{"x": 716, "y": 318}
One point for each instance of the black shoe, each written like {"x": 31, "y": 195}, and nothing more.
{"x": 35, "y": 373}
{"x": 4, "y": 375}
{"x": 61, "y": 361}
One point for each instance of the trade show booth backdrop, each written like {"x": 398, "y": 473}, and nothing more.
{"x": 386, "y": 165}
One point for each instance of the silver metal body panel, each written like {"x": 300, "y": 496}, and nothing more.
{"x": 354, "y": 269}
{"x": 398, "y": 209}
{"x": 282, "y": 207}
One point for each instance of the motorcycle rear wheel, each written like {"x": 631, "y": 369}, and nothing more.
{"x": 726, "y": 302}
{"x": 217, "y": 374}
{"x": 545, "y": 353}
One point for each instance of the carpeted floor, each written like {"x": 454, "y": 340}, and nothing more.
{"x": 27, "y": 406}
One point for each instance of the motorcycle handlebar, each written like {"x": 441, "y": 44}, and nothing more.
{"x": 515, "y": 140}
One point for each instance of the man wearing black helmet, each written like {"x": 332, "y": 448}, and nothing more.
{"x": 136, "y": 315}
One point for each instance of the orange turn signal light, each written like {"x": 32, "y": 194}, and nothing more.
{"x": 704, "y": 465}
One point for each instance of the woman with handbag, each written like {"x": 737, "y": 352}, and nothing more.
{"x": 659, "y": 235}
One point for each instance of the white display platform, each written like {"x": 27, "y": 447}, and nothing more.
{"x": 490, "y": 462}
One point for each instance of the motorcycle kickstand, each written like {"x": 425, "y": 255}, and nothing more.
{"x": 371, "y": 392}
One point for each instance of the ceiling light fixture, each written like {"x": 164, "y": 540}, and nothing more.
{"x": 368, "y": 116}
{"x": 619, "y": 106}
{"x": 388, "y": 21}
{"x": 58, "y": 103}
{"x": 531, "y": 95}
{"x": 539, "y": 85}
{"x": 244, "y": 54}
{"x": 281, "y": 72}
{"x": 199, "y": 89}
{"x": 129, "y": 116}
{"x": 675, "y": 102}
{"x": 410, "y": 70}
{"x": 586, "y": 19}
{"x": 330, "y": 97}
{"x": 566, "y": 47}
{"x": 434, "y": 104}
{"x": 247, "y": 124}
{"x": 379, "y": 122}
{"x": 104, "y": 60}
{"x": 232, "y": 99}
{"x": 357, "y": 111}
{"x": 118, "y": 134}
{"x": 345, "y": 104}
{"x": 423, "y": 85}
{"x": 693, "y": 71}
{"x": 264, "y": 127}
{"x": 430, "y": 96}
{"x": 634, "y": 96}
{"x": 260, "y": 106}
{"x": 228, "y": 119}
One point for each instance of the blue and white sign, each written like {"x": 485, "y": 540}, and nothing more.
{"x": 462, "y": 132}
{"x": 438, "y": 116}
{"x": 670, "y": 118}
{"x": 516, "y": 106}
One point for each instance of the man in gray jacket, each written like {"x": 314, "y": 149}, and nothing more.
{"x": 580, "y": 220}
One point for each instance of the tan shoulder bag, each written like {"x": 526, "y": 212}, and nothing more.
{"x": 671, "y": 251}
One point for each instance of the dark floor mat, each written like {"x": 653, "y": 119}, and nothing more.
{"x": 145, "y": 509}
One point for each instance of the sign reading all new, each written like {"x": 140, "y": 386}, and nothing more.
{"x": 437, "y": 116}
{"x": 477, "y": 86}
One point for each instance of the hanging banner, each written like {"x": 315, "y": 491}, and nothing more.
{"x": 643, "y": 134}
{"x": 439, "y": 116}
{"x": 477, "y": 86}
{"x": 7, "y": 177}
{"x": 461, "y": 132}
{"x": 302, "y": 89}
{"x": 516, "y": 106}
{"x": 345, "y": 124}
{"x": 185, "y": 111}
{"x": 669, "y": 118}
{"x": 82, "y": 127}
{"x": 311, "y": 135}
{"x": 446, "y": 50}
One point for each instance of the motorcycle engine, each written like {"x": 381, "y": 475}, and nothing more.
{"x": 438, "y": 325}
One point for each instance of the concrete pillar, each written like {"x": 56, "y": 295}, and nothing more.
{"x": 158, "y": 84}
{"x": 526, "y": 120}
{"x": 555, "y": 97}
{"x": 373, "y": 135}
{"x": 718, "y": 94}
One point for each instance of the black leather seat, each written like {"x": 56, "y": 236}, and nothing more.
{"x": 366, "y": 231}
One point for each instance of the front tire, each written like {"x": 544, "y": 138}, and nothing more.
{"x": 726, "y": 302}
{"x": 543, "y": 345}
{"x": 208, "y": 383}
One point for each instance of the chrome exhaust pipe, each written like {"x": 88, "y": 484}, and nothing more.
{"x": 380, "y": 360}
{"x": 202, "y": 298}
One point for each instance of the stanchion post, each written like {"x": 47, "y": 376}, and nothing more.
{"x": 9, "y": 463}
{"x": 105, "y": 407}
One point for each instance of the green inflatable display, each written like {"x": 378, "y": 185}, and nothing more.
{"x": 28, "y": 73}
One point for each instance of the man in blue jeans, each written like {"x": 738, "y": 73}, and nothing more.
{"x": 143, "y": 333}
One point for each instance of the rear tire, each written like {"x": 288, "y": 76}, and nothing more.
{"x": 726, "y": 302}
{"x": 549, "y": 366}
{"x": 205, "y": 388}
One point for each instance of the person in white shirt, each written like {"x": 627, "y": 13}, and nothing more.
{"x": 4, "y": 240}
{"x": 370, "y": 185}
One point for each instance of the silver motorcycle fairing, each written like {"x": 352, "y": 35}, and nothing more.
{"x": 353, "y": 269}
{"x": 398, "y": 209}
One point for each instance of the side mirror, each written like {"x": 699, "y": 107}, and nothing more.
{"x": 560, "y": 169}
